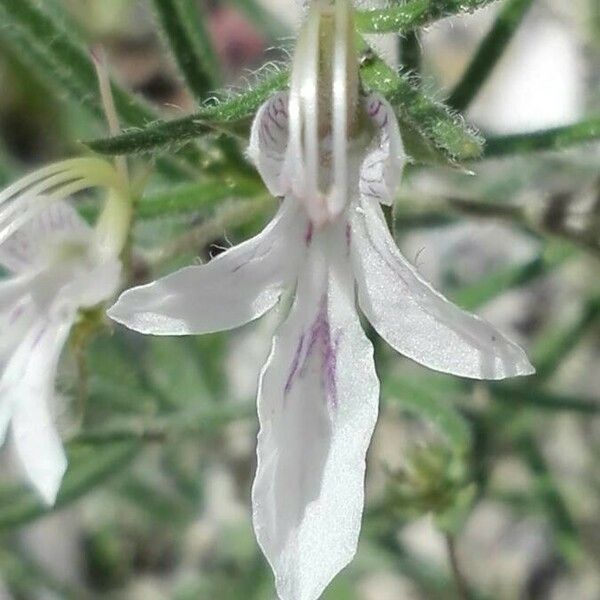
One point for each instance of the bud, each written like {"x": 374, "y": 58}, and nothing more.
{"x": 435, "y": 480}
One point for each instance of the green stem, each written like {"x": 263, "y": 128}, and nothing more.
{"x": 552, "y": 499}
{"x": 413, "y": 13}
{"x": 193, "y": 53}
{"x": 489, "y": 52}
{"x": 556, "y": 138}
{"x": 167, "y": 428}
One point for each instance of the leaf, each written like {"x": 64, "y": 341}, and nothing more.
{"x": 493, "y": 285}
{"x": 489, "y": 52}
{"x": 556, "y": 138}
{"x": 195, "y": 197}
{"x": 190, "y": 44}
{"x": 175, "y": 374}
{"x": 61, "y": 62}
{"x": 262, "y": 19}
{"x": 65, "y": 56}
{"x": 539, "y": 398}
{"x": 563, "y": 522}
{"x": 89, "y": 466}
{"x": 556, "y": 344}
{"x": 434, "y": 122}
{"x": 209, "y": 118}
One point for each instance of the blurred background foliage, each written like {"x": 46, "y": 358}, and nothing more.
{"x": 475, "y": 490}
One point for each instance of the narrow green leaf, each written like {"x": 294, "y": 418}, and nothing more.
{"x": 486, "y": 289}
{"x": 161, "y": 505}
{"x": 193, "y": 53}
{"x": 553, "y": 347}
{"x": 556, "y": 138}
{"x": 68, "y": 58}
{"x": 544, "y": 400}
{"x": 262, "y": 19}
{"x": 174, "y": 427}
{"x": 175, "y": 373}
{"x": 489, "y": 52}
{"x": 65, "y": 67}
{"x": 195, "y": 197}
{"x": 89, "y": 466}
{"x": 209, "y": 118}
{"x": 413, "y": 13}
{"x": 436, "y": 123}
{"x": 59, "y": 82}
{"x": 554, "y": 503}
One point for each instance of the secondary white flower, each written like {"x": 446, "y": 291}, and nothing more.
{"x": 57, "y": 264}
{"x": 333, "y": 155}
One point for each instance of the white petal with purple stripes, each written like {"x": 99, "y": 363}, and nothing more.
{"x": 56, "y": 269}
{"x": 29, "y": 245}
{"x": 415, "y": 319}
{"x": 232, "y": 289}
{"x": 268, "y": 142}
{"x": 317, "y": 406}
{"x": 383, "y": 163}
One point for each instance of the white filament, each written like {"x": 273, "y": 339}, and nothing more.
{"x": 309, "y": 92}
{"x": 338, "y": 195}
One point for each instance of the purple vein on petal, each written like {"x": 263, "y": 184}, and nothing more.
{"x": 39, "y": 337}
{"x": 16, "y": 313}
{"x": 319, "y": 337}
{"x": 295, "y": 364}
{"x": 308, "y": 234}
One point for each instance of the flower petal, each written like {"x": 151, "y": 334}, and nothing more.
{"x": 268, "y": 142}
{"x": 236, "y": 287}
{"x": 16, "y": 311}
{"x": 381, "y": 170}
{"x": 26, "y": 246}
{"x": 317, "y": 405}
{"x": 415, "y": 319}
{"x": 27, "y": 390}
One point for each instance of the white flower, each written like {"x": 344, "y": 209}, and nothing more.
{"x": 57, "y": 264}
{"x": 333, "y": 156}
